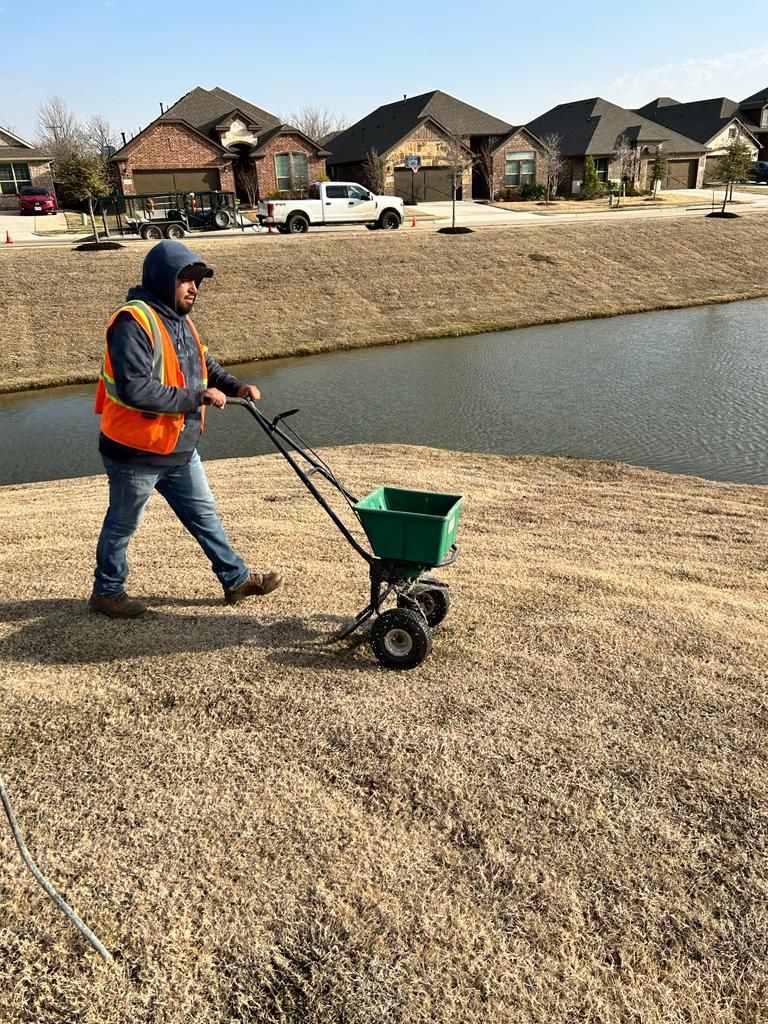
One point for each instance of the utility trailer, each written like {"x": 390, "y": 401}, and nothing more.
{"x": 176, "y": 214}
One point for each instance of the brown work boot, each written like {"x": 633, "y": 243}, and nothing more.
{"x": 257, "y": 584}
{"x": 119, "y": 607}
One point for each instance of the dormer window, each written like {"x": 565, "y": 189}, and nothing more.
{"x": 764, "y": 117}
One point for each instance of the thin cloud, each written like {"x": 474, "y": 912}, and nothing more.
{"x": 690, "y": 75}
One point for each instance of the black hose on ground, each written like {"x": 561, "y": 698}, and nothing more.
{"x": 40, "y": 878}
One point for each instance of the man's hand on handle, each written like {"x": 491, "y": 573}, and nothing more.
{"x": 212, "y": 396}
{"x": 249, "y": 391}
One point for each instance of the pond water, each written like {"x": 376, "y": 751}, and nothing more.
{"x": 684, "y": 391}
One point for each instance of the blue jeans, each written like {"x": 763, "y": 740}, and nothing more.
{"x": 186, "y": 490}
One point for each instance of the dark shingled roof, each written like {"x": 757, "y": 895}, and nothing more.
{"x": 23, "y": 154}
{"x": 758, "y": 99}
{"x": 387, "y": 125}
{"x": 205, "y": 108}
{"x": 701, "y": 120}
{"x": 594, "y": 125}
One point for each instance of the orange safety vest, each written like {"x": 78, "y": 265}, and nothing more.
{"x": 155, "y": 432}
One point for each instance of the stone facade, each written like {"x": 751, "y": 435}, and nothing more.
{"x": 169, "y": 146}
{"x": 518, "y": 142}
{"x": 433, "y": 148}
{"x": 574, "y": 170}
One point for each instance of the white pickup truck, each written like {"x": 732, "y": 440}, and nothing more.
{"x": 332, "y": 202}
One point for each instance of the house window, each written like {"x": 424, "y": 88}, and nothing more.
{"x": 292, "y": 171}
{"x": 732, "y": 133}
{"x": 519, "y": 168}
{"x": 13, "y": 177}
{"x": 601, "y": 166}
{"x": 764, "y": 118}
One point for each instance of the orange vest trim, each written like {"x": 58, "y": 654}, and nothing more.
{"x": 148, "y": 431}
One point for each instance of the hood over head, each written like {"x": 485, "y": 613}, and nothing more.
{"x": 163, "y": 264}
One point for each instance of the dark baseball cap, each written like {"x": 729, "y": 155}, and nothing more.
{"x": 195, "y": 272}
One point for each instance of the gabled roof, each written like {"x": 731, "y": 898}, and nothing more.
{"x": 594, "y": 126}
{"x": 284, "y": 129}
{"x": 513, "y": 131}
{"x": 204, "y": 109}
{"x": 19, "y": 149}
{"x": 120, "y": 154}
{"x": 384, "y": 127}
{"x": 701, "y": 120}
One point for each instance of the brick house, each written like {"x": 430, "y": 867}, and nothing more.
{"x": 207, "y": 141}
{"x": 21, "y": 164}
{"x": 419, "y": 136}
{"x": 714, "y": 123}
{"x": 593, "y": 128}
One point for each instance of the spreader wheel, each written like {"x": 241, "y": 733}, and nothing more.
{"x": 400, "y": 638}
{"x": 434, "y": 603}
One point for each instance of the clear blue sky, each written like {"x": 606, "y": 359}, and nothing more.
{"x": 121, "y": 59}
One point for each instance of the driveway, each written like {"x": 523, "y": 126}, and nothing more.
{"x": 25, "y": 228}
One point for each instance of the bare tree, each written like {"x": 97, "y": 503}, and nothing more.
{"x": 248, "y": 180}
{"x": 375, "y": 171}
{"x": 316, "y": 122}
{"x": 58, "y": 130}
{"x": 552, "y": 163}
{"x": 99, "y": 136}
{"x": 628, "y": 159}
{"x": 483, "y": 162}
{"x": 457, "y": 158}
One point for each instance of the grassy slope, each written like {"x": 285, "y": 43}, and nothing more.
{"x": 276, "y": 296}
{"x": 559, "y": 817}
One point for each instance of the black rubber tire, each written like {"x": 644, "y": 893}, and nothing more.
{"x": 222, "y": 219}
{"x": 389, "y": 221}
{"x": 400, "y": 639}
{"x": 152, "y": 232}
{"x": 434, "y": 602}
{"x": 373, "y": 227}
{"x": 282, "y": 229}
{"x": 175, "y": 231}
{"x": 297, "y": 224}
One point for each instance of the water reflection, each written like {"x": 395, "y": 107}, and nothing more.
{"x": 683, "y": 391}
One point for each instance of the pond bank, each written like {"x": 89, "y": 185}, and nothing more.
{"x": 282, "y": 296}
{"x": 225, "y": 798}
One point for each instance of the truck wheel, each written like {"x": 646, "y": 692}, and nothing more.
{"x": 151, "y": 231}
{"x": 222, "y": 219}
{"x": 298, "y": 224}
{"x": 175, "y": 231}
{"x": 389, "y": 221}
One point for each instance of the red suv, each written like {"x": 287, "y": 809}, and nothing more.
{"x": 36, "y": 200}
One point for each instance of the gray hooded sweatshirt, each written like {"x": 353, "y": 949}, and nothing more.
{"x": 131, "y": 353}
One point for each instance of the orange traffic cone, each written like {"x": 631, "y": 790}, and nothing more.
{"x": 413, "y": 222}
{"x": 8, "y": 239}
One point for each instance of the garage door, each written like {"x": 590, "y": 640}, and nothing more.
{"x": 427, "y": 185}
{"x": 205, "y": 180}
{"x": 681, "y": 174}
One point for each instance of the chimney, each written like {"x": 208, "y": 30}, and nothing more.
{"x": 405, "y": 97}
{"x": 124, "y": 139}
{"x": 161, "y": 107}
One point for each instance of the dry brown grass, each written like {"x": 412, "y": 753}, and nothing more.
{"x": 559, "y": 817}
{"x": 276, "y": 296}
{"x": 602, "y": 204}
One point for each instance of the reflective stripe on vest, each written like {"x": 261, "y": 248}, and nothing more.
{"x": 139, "y": 428}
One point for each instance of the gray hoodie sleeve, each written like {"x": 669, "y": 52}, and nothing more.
{"x": 219, "y": 378}
{"x": 131, "y": 353}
